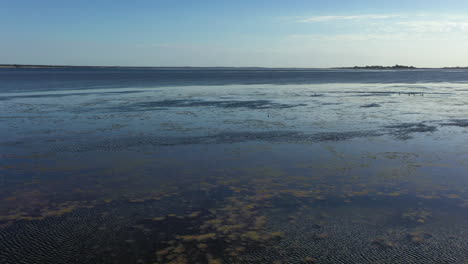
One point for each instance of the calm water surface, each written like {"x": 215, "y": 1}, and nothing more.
{"x": 194, "y": 165}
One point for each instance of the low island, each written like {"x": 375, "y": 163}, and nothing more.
{"x": 378, "y": 67}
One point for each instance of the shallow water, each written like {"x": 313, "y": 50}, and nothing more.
{"x": 233, "y": 166}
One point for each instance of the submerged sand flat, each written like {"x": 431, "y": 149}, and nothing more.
{"x": 349, "y": 172}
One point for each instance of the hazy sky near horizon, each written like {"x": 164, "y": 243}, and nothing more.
{"x": 268, "y": 33}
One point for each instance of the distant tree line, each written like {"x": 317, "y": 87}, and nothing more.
{"x": 379, "y": 67}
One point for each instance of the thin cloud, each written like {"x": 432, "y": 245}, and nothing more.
{"x": 397, "y": 23}
{"x": 355, "y": 17}
{"x": 434, "y": 26}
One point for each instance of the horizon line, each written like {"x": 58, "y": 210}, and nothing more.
{"x": 13, "y": 65}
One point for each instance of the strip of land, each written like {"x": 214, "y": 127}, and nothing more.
{"x": 373, "y": 67}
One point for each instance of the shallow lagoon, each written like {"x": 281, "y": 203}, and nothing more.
{"x": 313, "y": 171}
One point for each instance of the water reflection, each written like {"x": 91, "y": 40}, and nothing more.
{"x": 249, "y": 175}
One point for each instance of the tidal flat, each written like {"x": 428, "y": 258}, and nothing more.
{"x": 370, "y": 168}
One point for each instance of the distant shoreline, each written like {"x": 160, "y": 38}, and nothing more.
{"x": 59, "y": 66}
{"x": 396, "y": 67}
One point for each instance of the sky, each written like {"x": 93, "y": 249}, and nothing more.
{"x": 241, "y": 33}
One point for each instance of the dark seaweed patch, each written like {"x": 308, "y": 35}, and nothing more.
{"x": 400, "y": 131}
{"x": 252, "y": 104}
{"x": 404, "y": 131}
{"x": 340, "y": 136}
{"x": 331, "y": 103}
{"x": 388, "y": 93}
{"x": 221, "y": 138}
{"x": 10, "y": 97}
{"x": 370, "y": 105}
{"x": 457, "y": 122}
{"x": 366, "y": 94}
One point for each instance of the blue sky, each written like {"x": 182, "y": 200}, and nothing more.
{"x": 294, "y": 33}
